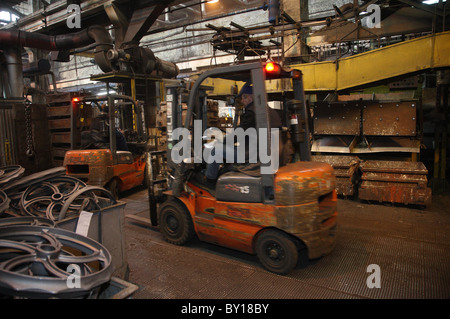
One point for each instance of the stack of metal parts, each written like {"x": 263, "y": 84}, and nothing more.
{"x": 49, "y": 194}
{"x": 346, "y": 171}
{"x": 48, "y": 262}
{"x": 38, "y": 259}
{"x": 395, "y": 182}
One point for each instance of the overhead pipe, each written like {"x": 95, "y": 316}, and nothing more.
{"x": 39, "y": 67}
{"x": 141, "y": 60}
{"x": 11, "y": 41}
{"x": 94, "y": 34}
{"x": 145, "y": 61}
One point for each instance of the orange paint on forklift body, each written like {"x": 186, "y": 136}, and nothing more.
{"x": 305, "y": 207}
{"x": 96, "y": 167}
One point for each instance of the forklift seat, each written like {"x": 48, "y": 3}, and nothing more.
{"x": 238, "y": 187}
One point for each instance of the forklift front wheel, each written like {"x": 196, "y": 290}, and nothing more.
{"x": 175, "y": 223}
{"x": 276, "y": 251}
{"x": 113, "y": 187}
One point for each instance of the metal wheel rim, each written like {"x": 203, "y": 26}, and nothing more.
{"x": 10, "y": 173}
{"x": 34, "y": 262}
{"x": 172, "y": 222}
{"x": 88, "y": 198}
{"x": 25, "y": 220}
{"x": 275, "y": 253}
{"x": 21, "y": 184}
{"x": 47, "y": 198}
{"x": 4, "y": 201}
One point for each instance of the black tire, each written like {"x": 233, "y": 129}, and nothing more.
{"x": 175, "y": 222}
{"x": 276, "y": 251}
{"x": 113, "y": 187}
{"x": 146, "y": 180}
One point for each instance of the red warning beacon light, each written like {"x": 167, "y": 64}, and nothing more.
{"x": 272, "y": 68}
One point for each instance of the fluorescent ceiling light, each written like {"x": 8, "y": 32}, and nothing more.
{"x": 212, "y": 1}
{"x": 432, "y": 1}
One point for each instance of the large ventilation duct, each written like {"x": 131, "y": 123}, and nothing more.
{"x": 93, "y": 34}
{"x": 141, "y": 60}
{"x": 133, "y": 59}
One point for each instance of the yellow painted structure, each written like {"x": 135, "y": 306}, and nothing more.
{"x": 400, "y": 59}
{"x": 395, "y": 60}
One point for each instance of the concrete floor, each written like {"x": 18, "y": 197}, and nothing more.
{"x": 410, "y": 246}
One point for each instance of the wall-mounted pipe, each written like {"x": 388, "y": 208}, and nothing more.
{"x": 13, "y": 61}
{"x": 5, "y": 82}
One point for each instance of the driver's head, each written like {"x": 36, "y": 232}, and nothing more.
{"x": 246, "y": 94}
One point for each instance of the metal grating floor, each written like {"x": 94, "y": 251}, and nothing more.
{"x": 410, "y": 246}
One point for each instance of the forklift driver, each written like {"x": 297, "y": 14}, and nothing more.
{"x": 98, "y": 135}
{"x": 247, "y": 120}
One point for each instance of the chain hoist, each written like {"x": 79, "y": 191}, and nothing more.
{"x": 29, "y": 129}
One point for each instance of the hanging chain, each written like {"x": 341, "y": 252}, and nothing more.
{"x": 29, "y": 129}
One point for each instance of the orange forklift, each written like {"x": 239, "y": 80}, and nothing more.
{"x": 112, "y": 148}
{"x": 274, "y": 215}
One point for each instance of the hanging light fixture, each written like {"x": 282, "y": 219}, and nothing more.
{"x": 203, "y": 4}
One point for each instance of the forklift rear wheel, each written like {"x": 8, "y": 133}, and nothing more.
{"x": 276, "y": 251}
{"x": 175, "y": 223}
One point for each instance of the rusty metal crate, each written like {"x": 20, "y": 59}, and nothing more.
{"x": 63, "y": 110}
{"x": 395, "y": 182}
{"x": 377, "y": 118}
{"x": 345, "y": 170}
{"x": 390, "y": 118}
{"x": 61, "y": 137}
{"x": 60, "y": 124}
{"x": 339, "y": 118}
{"x": 59, "y": 97}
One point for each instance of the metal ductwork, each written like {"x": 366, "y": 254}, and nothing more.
{"x": 128, "y": 56}
{"x": 41, "y": 66}
{"x": 141, "y": 60}
{"x": 132, "y": 59}
{"x": 93, "y": 34}
{"x": 11, "y": 41}
{"x": 13, "y": 83}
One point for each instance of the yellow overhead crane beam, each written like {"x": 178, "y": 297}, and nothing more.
{"x": 400, "y": 59}
{"x": 420, "y": 54}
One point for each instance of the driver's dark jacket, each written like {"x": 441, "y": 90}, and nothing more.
{"x": 248, "y": 120}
